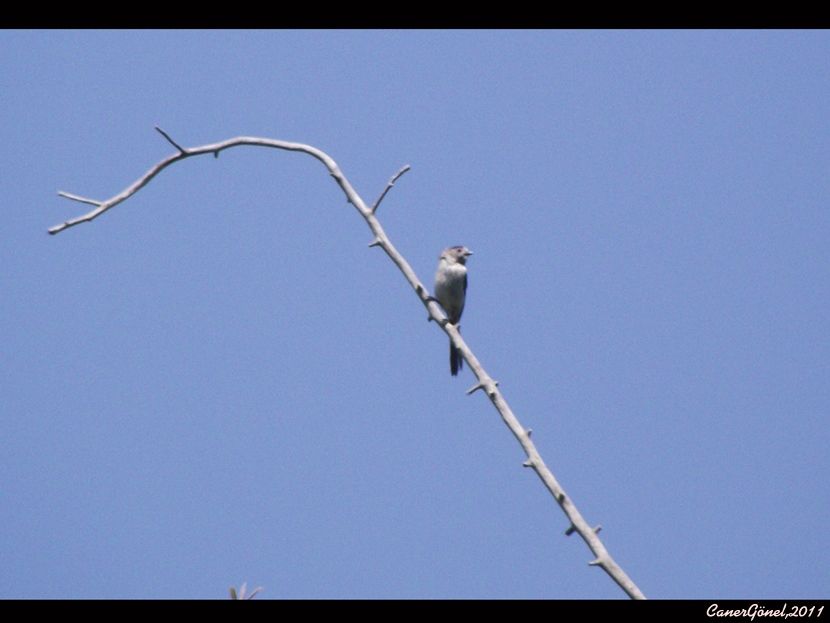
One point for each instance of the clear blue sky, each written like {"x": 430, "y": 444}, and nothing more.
{"x": 218, "y": 381}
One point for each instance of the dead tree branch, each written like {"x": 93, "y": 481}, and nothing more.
{"x": 484, "y": 382}
{"x": 389, "y": 186}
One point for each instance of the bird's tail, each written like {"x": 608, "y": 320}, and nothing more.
{"x": 456, "y": 362}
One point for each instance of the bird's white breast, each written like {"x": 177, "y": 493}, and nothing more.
{"x": 448, "y": 287}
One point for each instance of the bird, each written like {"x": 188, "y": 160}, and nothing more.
{"x": 451, "y": 292}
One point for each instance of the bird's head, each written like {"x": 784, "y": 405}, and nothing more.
{"x": 457, "y": 254}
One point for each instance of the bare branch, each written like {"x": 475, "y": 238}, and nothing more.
{"x": 475, "y": 388}
{"x": 389, "y": 186}
{"x": 215, "y": 148}
{"x": 93, "y": 202}
{"x": 534, "y": 460}
{"x": 170, "y": 140}
{"x": 572, "y": 528}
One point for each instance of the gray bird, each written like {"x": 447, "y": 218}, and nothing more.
{"x": 451, "y": 291}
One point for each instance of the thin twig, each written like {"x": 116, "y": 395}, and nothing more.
{"x": 475, "y": 388}
{"x": 170, "y": 140}
{"x": 93, "y": 202}
{"x": 389, "y": 186}
{"x": 534, "y": 460}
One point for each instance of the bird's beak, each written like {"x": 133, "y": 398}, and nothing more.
{"x": 468, "y": 253}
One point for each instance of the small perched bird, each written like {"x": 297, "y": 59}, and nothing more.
{"x": 451, "y": 290}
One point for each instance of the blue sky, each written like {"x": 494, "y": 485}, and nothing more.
{"x": 217, "y": 381}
